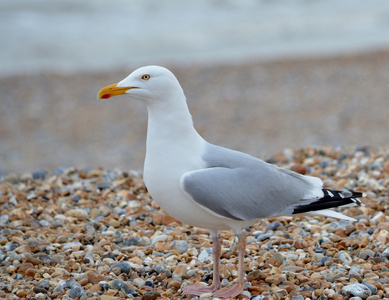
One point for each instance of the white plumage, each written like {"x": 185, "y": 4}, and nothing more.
{"x": 209, "y": 186}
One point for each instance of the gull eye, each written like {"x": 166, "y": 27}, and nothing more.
{"x": 146, "y": 77}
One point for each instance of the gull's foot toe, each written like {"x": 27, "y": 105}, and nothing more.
{"x": 231, "y": 291}
{"x": 197, "y": 290}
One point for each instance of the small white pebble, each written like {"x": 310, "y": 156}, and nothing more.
{"x": 140, "y": 253}
{"x": 159, "y": 238}
{"x": 139, "y": 282}
{"x": 134, "y": 204}
{"x": 246, "y": 293}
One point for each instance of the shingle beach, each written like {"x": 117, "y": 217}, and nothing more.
{"x": 96, "y": 234}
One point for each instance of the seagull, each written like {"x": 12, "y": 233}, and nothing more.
{"x": 209, "y": 186}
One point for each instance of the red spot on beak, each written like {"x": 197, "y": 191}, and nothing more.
{"x": 106, "y": 96}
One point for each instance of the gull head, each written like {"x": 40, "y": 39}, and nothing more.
{"x": 150, "y": 84}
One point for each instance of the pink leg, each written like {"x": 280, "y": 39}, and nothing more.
{"x": 199, "y": 290}
{"x": 238, "y": 287}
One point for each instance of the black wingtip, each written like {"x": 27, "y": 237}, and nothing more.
{"x": 331, "y": 199}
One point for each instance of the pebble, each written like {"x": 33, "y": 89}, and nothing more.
{"x": 366, "y": 253}
{"x": 357, "y": 290}
{"x": 94, "y": 277}
{"x": 175, "y": 284}
{"x": 151, "y": 295}
{"x": 274, "y": 279}
{"x": 116, "y": 284}
{"x": 345, "y": 257}
{"x": 139, "y": 282}
{"x": 385, "y": 254}
{"x": 261, "y": 297}
{"x": 39, "y": 175}
{"x": 371, "y": 286}
{"x": 76, "y": 291}
{"x": 77, "y": 213}
{"x": 124, "y": 267}
{"x": 159, "y": 238}
{"x": 273, "y": 226}
{"x": 58, "y": 289}
{"x": 105, "y": 237}
{"x": 4, "y": 219}
{"x": 44, "y": 223}
{"x": 356, "y": 272}
{"x": 264, "y": 236}
{"x": 38, "y": 289}
{"x": 180, "y": 245}
{"x": 205, "y": 255}
{"x": 104, "y": 285}
{"x": 88, "y": 258}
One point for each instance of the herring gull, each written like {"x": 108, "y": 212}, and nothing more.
{"x": 208, "y": 186}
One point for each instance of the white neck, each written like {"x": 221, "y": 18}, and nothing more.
{"x": 170, "y": 125}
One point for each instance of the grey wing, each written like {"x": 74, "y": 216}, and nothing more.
{"x": 241, "y": 187}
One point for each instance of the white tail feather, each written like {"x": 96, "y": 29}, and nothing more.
{"x": 330, "y": 213}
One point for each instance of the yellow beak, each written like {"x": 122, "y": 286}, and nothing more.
{"x": 112, "y": 90}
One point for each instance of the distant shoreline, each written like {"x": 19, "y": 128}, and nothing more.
{"x": 176, "y": 64}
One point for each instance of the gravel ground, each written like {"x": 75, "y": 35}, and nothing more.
{"x": 96, "y": 234}
{"x": 51, "y": 120}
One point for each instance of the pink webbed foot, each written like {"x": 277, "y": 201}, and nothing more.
{"x": 230, "y": 291}
{"x": 198, "y": 290}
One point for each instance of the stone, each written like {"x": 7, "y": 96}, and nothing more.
{"x": 104, "y": 285}
{"x": 253, "y": 275}
{"x": 24, "y": 267}
{"x": 205, "y": 255}
{"x": 116, "y": 284}
{"x": 77, "y": 213}
{"x": 124, "y": 267}
{"x": 45, "y": 284}
{"x": 44, "y": 223}
{"x": 366, "y": 253}
{"x": 273, "y": 226}
{"x": 385, "y": 254}
{"x": 181, "y": 270}
{"x": 274, "y": 279}
{"x": 35, "y": 261}
{"x": 88, "y": 258}
{"x": 301, "y": 169}
{"x": 39, "y": 175}
{"x": 264, "y": 236}
{"x": 357, "y": 290}
{"x": 180, "y": 245}
{"x": 152, "y": 295}
{"x": 371, "y": 286}
{"x": 95, "y": 278}
{"x": 279, "y": 257}
{"x": 38, "y": 289}
{"x": 76, "y": 291}
{"x": 345, "y": 257}
{"x": 175, "y": 284}
{"x": 108, "y": 297}
{"x": 159, "y": 238}
{"x": 168, "y": 220}
{"x": 58, "y": 289}
{"x": 356, "y": 272}
{"x": 139, "y": 282}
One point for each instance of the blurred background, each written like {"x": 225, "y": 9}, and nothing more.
{"x": 259, "y": 75}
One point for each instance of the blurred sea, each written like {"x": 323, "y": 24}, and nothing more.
{"x": 93, "y": 35}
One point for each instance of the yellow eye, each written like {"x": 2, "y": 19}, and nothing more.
{"x": 146, "y": 77}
